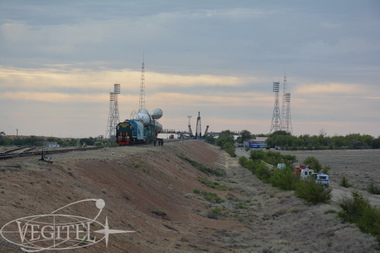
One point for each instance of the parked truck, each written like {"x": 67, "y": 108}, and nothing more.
{"x": 303, "y": 171}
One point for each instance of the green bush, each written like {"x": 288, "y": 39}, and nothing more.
{"x": 241, "y": 205}
{"x": 203, "y": 168}
{"x": 312, "y": 192}
{"x": 210, "y": 196}
{"x": 214, "y": 213}
{"x": 243, "y": 161}
{"x": 283, "y": 179}
{"x": 344, "y": 182}
{"x": 257, "y": 154}
{"x": 326, "y": 169}
{"x": 252, "y": 165}
{"x": 212, "y": 184}
{"x": 273, "y": 158}
{"x": 313, "y": 163}
{"x": 230, "y": 149}
{"x": 289, "y": 159}
{"x": 359, "y": 211}
{"x": 249, "y": 164}
{"x": 373, "y": 189}
{"x": 262, "y": 172}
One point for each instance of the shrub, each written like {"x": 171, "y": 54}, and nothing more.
{"x": 252, "y": 165}
{"x": 262, "y": 172}
{"x": 359, "y": 211}
{"x": 136, "y": 164}
{"x": 203, "y": 168}
{"x": 289, "y": 159}
{"x": 243, "y": 161}
{"x": 283, "y": 179}
{"x": 214, "y": 213}
{"x": 212, "y": 184}
{"x": 249, "y": 164}
{"x": 373, "y": 189}
{"x": 344, "y": 182}
{"x": 257, "y": 154}
{"x": 210, "y": 196}
{"x": 312, "y": 192}
{"x": 241, "y": 205}
{"x": 230, "y": 149}
{"x": 326, "y": 169}
{"x": 273, "y": 158}
{"x": 313, "y": 163}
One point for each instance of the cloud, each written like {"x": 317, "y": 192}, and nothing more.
{"x": 222, "y": 99}
{"x": 328, "y": 88}
{"x": 50, "y": 97}
{"x": 89, "y": 80}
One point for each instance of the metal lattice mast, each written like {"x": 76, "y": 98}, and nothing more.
{"x": 276, "y": 119}
{"x": 142, "y": 87}
{"x": 113, "y": 116}
{"x": 283, "y": 109}
{"x": 288, "y": 119}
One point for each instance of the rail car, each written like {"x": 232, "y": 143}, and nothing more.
{"x": 133, "y": 131}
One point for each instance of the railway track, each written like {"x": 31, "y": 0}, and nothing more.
{"x": 32, "y": 151}
{"x": 28, "y": 151}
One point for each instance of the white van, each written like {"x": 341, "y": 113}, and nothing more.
{"x": 321, "y": 178}
{"x": 305, "y": 173}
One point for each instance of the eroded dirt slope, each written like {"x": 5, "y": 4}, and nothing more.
{"x": 150, "y": 190}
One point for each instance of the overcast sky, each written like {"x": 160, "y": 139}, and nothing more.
{"x": 60, "y": 59}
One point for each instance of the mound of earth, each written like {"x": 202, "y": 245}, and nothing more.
{"x": 160, "y": 194}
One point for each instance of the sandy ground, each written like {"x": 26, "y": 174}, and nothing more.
{"x": 150, "y": 190}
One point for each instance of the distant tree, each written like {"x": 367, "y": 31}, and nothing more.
{"x": 226, "y": 141}
{"x": 2, "y": 138}
{"x": 257, "y": 154}
{"x": 244, "y": 135}
{"x": 210, "y": 139}
{"x": 280, "y": 132}
{"x": 289, "y": 159}
{"x": 88, "y": 141}
{"x": 29, "y": 141}
{"x": 375, "y": 143}
{"x": 313, "y": 163}
{"x": 224, "y": 137}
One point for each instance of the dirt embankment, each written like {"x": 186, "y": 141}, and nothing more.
{"x": 150, "y": 190}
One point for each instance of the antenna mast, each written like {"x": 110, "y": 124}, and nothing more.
{"x": 288, "y": 119}
{"x": 283, "y": 109}
{"x": 286, "y": 124}
{"x": 142, "y": 87}
{"x": 276, "y": 119}
{"x": 113, "y": 116}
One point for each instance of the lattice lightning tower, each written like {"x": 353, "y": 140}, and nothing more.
{"x": 276, "y": 119}
{"x": 288, "y": 119}
{"x": 113, "y": 116}
{"x": 142, "y": 87}
{"x": 283, "y": 109}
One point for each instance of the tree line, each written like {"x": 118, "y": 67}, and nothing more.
{"x": 284, "y": 140}
{"x": 39, "y": 141}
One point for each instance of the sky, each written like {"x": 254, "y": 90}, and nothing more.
{"x": 60, "y": 59}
